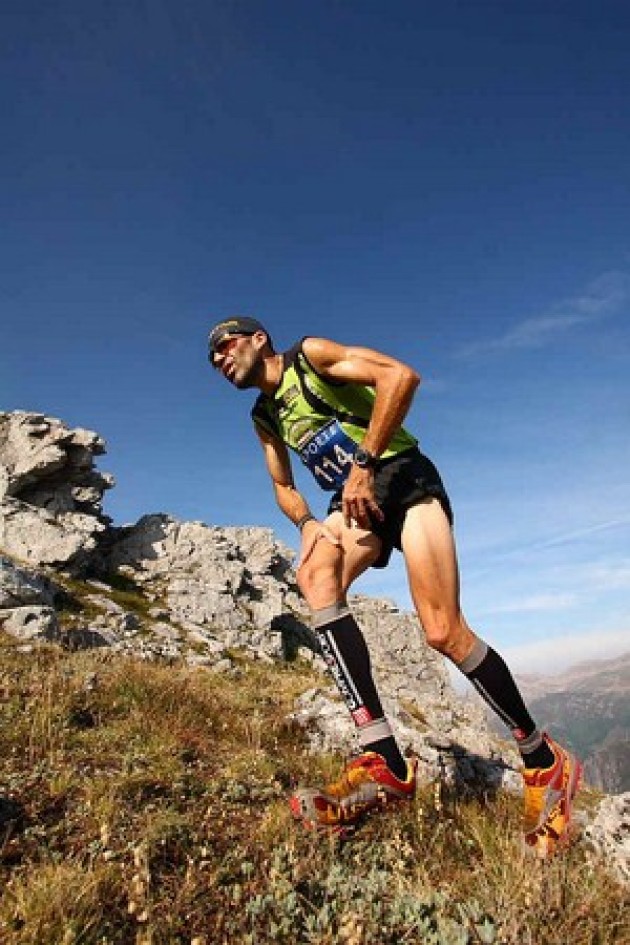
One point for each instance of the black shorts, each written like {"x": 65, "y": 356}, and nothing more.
{"x": 399, "y": 483}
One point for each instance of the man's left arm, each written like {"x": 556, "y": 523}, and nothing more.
{"x": 394, "y": 385}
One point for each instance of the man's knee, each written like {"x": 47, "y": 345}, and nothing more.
{"x": 438, "y": 633}
{"x": 442, "y": 630}
{"x": 319, "y": 580}
{"x": 446, "y": 633}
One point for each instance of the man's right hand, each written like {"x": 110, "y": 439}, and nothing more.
{"x": 312, "y": 532}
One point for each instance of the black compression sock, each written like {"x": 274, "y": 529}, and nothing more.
{"x": 346, "y": 653}
{"x": 389, "y": 750}
{"x": 540, "y": 756}
{"x": 494, "y": 682}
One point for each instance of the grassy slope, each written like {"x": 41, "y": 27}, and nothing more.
{"x": 147, "y": 804}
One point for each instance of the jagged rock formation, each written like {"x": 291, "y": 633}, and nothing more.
{"x": 609, "y": 833}
{"x": 26, "y": 602}
{"x": 235, "y": 584}
{"x": 186, "y": 590}
{"x": 50, "y": 493}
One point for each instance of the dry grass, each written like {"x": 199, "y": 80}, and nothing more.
{"x": 147, "y": 804}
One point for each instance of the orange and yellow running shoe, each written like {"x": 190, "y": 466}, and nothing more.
{"x": 366, "y": 785}
{"x": 548, "y": 797}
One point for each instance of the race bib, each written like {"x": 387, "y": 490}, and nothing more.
{"x": 329, "y": 454}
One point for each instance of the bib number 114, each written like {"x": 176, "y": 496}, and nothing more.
{"x": 329, "y": 454}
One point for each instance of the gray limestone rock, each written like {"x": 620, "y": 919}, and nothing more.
{"x": 19, "y": 585}
{"x": 86, "y": 638}
{"x": 30, "y": 622}
{"x": 609, "y": 834}
{"x": 234, "y": 582}
{"x": 40, "y": 537}
{"x": 50, "y": 493}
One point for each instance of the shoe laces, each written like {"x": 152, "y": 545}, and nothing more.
{"x": 356, "y": 773}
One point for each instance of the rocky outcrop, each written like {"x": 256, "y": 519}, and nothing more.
{"x": 233, "y": 583}
{"x": 27, "y": 602}
{"x": 609, "y": 834}
{"x": 20, "y": 586}
{"x": 50, "y": 492}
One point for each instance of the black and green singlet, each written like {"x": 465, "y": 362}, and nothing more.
{"x": 323, "y": 421}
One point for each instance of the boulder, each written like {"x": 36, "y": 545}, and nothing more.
{"x": 609, "y": 834}
{"x": 31, "y": 622}
{"x": 20, "y": 585}
{"x": 236, "y": 582}
{"x": 50, "y": 492}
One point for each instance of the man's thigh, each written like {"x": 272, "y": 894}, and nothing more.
{"x": 360, "y": 548}
{"x": 428, "y": 547}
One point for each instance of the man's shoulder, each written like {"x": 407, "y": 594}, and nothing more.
{"x": 262, "y": 404}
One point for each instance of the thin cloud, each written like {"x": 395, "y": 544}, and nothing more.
{"x": 579, "y": 533}
{"x": 603, "y": 298}
{"x": 536, "y": 603}
{"x": 595, "y": 576}
{"x": 531, "y": 550}
{"x": 561, "y": 652}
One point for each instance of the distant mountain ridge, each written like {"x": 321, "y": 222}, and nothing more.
{"x": 588, "y": 708}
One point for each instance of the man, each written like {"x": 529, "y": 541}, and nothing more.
{"x": 340, "y": 409}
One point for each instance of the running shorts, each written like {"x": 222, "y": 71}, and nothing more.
{"x": 400, "y": 482}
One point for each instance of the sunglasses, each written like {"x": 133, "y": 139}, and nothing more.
{"x": 223, "y": 346}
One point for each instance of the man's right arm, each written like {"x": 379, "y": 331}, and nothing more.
{"x": 290, "y": 501}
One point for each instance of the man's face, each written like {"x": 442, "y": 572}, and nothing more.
{"x": 238, "y": 358}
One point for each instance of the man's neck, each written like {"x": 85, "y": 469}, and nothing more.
{"x": 271, "y": 374}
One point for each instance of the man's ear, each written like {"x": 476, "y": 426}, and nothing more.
{"x": 261, "y": 338}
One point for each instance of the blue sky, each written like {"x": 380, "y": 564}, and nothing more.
{"x": 448, "y": 183}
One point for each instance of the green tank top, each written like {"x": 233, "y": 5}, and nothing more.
{"x": 322, "y": 421}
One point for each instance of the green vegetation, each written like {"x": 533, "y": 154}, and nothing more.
{"x": 76, "y": 603}
{"x": 145, "y": 803}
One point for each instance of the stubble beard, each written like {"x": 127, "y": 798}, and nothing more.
{"x": 248, "y": 377}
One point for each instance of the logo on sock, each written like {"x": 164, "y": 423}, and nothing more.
{"x": 362, "y": 717}
{"x": 341, "y": 676}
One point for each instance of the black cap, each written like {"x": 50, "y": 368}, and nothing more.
{"x": 236, "y": 325}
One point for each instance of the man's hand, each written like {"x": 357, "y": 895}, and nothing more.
{"x": 311, "y": 534}
{"x": 358, "y": 500}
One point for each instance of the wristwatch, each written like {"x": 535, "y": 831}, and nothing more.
{"x": 363, "y": 459}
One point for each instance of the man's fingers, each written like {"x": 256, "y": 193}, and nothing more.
{"x": 376, "y": 511}
{"x": 326, "y": 533}
{"x": 361, "y": 512}
{"x": 322, "y": 532}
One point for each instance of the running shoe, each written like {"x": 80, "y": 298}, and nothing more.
{"x": 549, "y": 794}
{"x": 366, "y": 785}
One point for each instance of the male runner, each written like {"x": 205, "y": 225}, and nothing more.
{"x": 340, "y": 409}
